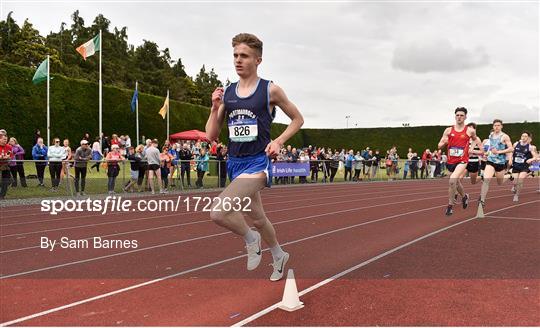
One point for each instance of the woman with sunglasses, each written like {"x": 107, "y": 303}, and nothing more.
{"x": 165, "y": 159}
{"x": 56, "y": 155}
{"x": 113, "y": 157}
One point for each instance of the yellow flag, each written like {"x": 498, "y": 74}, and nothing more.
{"x": 163, "y": 111}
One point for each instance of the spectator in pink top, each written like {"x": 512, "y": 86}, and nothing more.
{"x": 17, "y": 166}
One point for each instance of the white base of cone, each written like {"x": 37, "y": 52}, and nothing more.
{"x": 480, "y": 212}
{"x": 286, "y": 308}
{"x": 291, "y": 300}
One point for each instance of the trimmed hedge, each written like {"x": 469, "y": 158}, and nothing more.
{"x": 418, "y": 138}
{"x": 74, "y": 111}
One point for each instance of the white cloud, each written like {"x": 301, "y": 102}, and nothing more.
{"x": 339, "y": 59}
{"x": 508, "y": 112}
{"x": 440, "y": 55}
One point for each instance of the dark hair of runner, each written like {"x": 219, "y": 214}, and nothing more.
{"x": 461, "y": 109}
{"x": 472, "y": 125}
{"x": 497, "y": 121}
{"x": 528, "y": 133}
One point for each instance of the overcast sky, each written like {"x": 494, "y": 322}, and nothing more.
{"x": 382, "y": 64}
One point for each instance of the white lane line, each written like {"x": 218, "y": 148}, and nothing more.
{"x": 274, "y": 192}
{"x": 511, "y": 218}
{"x": 358, "y": 266}
{"x": 177, "y": 225}
{"x": 201, "y": 237}
{"x": 279, "y": 192}
{"x": 193, "y": 213}
{"x": 296, "y": 200}
{"x": 118, "y": 291}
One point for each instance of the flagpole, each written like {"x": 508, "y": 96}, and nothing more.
{"x": 100, "y": 92}
{"x": 137, "y": 110}
{"x": 48, "y": 106}
{"x": 169, "y": 105}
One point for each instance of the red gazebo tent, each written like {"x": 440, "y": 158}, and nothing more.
{"x": 188, "y": 135}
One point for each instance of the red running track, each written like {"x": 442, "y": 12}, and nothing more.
{"x": 194, "y": 274}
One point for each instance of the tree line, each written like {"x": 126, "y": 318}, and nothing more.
{"x": 123, "y": 63}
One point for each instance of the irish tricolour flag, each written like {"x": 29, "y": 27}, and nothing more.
{"x": 90, "y": 47}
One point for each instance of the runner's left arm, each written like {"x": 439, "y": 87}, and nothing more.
{"x": 477, "y": 142}
{"x": 509, "y": 146}
{"x": 278, "y": 98}
{"x": 534, "y": 153}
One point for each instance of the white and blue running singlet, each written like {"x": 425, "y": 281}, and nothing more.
{"x": 248, "y": 119}
{"x": 495, "y": 142}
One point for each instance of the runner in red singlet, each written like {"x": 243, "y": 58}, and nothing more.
{"x": 457, "y": 139}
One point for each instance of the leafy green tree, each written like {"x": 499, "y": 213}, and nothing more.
{"x": 30, "y": 48}
{"x": 206, "y": 83}
{"x": 122, "y": 65}
{"x": 9, "y": 32}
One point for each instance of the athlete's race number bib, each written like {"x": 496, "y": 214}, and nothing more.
{"x": 243, "y": 130}
{"x": 456, "y": 151}
{"x": 519, "y": 160}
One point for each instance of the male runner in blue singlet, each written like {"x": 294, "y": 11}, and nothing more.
{"x": 249, "y": 108}
{"x": 524, "y": 154}
{"x": 499, "y": 146}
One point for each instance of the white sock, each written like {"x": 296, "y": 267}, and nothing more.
{"x": 250, "y": 237}
{"x": 277, "y": 252}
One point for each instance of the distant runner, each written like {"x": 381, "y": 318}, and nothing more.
{"x": 524, "y": 154}
{"x": 475, "y": 149}
{"x": 499, "y": 146}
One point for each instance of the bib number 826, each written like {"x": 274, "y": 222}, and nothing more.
{"x": 241, "y": 131}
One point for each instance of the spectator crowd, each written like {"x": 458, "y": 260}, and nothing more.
{"x": 158, "y": 168}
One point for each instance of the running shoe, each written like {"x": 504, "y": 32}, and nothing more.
{"x": 254, "y": 253}
{"x": 449, "y": 210}
{"x": 516, "y": 199}
{"x": 279, "y": 267}
{"x": 465, "y": 201}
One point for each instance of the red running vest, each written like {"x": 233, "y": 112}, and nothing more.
{"x": 458, "y": 146}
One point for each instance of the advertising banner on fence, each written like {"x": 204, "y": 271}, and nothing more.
{"x": 283, "y": 169}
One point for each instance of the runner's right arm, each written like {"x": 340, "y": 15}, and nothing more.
{"x": 444, "y": 139}
{"x": 217, "y": 115}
